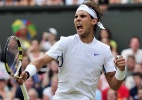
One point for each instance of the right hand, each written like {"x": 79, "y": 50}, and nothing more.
{"x": 22, "y": 79}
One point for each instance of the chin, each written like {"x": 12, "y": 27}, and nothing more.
{"x": 82, "y": 35}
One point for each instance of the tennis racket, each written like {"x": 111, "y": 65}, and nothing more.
{"x": 13, "y": 60}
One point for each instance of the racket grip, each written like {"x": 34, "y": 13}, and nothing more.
{"x": 24, "y": 91}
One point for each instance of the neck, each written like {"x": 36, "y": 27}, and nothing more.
{"x": 88, "y": 38}
{"x": 52, "y": 42}
{"x": 135, "y": 51}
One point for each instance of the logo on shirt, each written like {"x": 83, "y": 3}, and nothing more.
{"x": 95, "y": 54}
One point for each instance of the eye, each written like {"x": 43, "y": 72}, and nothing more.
{"x": 75, "y": 16}
{"x": 82, "y": 16}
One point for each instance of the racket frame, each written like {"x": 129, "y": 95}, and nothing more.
{"x": 16, "y": 75}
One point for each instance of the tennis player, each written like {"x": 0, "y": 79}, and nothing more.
{"x": 81, "y": 59}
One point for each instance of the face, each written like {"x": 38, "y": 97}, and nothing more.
{"x": 138, "y": 68}
{"x": 104, "y": 34}
{"x": 111, "y": 95}
{"x": 25, "y": 62}
{"x": 140, "y": 94}
{"x": 54, "y": 66}
{"x": 35, "y": 45}
{"x": 32, "y": 94}
{"x": 45, "y": 35}
{"x": 134, "y": 43}
{"x": 29, "y": 83}
{"x": 2, "y": 84}
{"x": 137, "y": 80}
{"x": 52, "y": 37}
{"x": 84, "y": 24}
{"x": 106, "y": 41}
{"x": 23, "y": 30}
{"x": 130, "y": 63}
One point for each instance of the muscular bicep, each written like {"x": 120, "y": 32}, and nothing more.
{"x": 40, "y": 62}
{"x": 109, "y": 76}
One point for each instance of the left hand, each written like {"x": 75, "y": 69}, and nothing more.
{"x": 22, "y": 79}
{"x": 120, "y": 62}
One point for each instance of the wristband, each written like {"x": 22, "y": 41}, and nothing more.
{"x": 31, "y": 70}
{"x": 119, "y": 75}
{"x": 27, "y": 74}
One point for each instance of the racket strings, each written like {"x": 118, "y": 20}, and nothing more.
{"x": 12, "y": 55}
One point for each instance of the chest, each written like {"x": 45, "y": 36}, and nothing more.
{"x": 85, "y": 56}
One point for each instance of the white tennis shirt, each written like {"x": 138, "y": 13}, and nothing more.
{"x": 81, "y": 65}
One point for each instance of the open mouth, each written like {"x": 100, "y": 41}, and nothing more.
{"x": 79, "y": 27}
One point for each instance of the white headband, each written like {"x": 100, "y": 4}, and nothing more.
{"x": 91, "y": 12}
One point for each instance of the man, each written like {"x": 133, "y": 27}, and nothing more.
{"x": 50, "y": 91}
{"x": 140, "y": 94}
{"x": 134, "y": 91}
{"x": 81, "y": 59}
{"x": 133, "y": 50}
{"x": 130, "y": 64}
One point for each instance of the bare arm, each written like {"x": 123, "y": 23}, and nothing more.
{"x": 114, "y": 83}
{"x": 40, "y": 62}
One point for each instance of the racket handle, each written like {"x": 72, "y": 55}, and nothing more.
{"x": 24, "y": 91}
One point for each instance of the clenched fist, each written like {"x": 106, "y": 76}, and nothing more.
{"x": 23, "y": 77}
{"x": 120, "y": 62}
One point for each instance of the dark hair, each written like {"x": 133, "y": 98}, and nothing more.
{"x": 50, "y": 74}
{"x": 35, "y": 40}
{"x": 137, "y": 74}
{"x": 95, "y": 7}
{"x": 134, "y": 37}
{"x": 109, "y": 34}
{"x": 131, "y": 56}
{"x": 24, "y": 55}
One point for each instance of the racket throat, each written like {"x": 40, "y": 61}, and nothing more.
{"x": 17, "y": 74}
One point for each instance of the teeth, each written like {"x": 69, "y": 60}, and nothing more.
{"x": 79, "y": 27}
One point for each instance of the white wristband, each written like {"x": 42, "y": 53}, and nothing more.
{"x": 119, "y": 75}
{"x": 31, "y": 69}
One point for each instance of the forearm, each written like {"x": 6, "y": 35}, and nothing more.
{"x": 115, "y": 79}
{"x": 37, "y": 64}
{"x": 115, "y": 84}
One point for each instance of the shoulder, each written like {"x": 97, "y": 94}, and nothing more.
{"x": 102, "y": 45}
{"x": 126, "y": 50}
{"x": 68, "y": 38}
{"x": 1, "y": 64}
{"x": 66, "y": 41}
{"x": 112, "y": 41}
{"x": 140, "y": 50}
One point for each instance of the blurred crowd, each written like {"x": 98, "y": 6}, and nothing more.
{"x": 42, "y": 86}
{"x": 59, "y": 2}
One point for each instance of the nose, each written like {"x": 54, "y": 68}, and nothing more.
{"x": 78, "y": 18}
